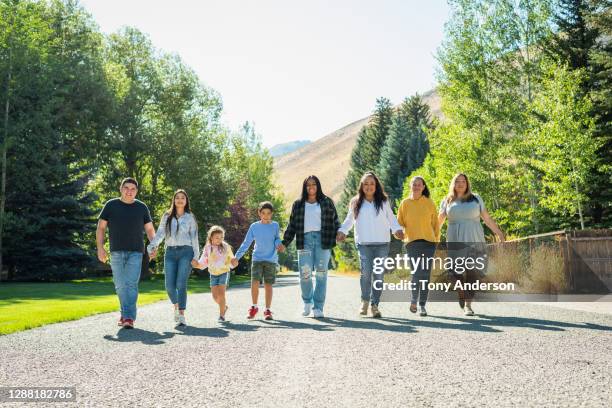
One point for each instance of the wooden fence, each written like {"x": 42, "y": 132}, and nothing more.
{"x": 586, "y": 254}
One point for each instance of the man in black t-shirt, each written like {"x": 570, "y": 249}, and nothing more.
{"x": 126, "y": 219}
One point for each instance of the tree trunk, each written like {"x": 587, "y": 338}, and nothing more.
{"x": 5, "y": 144}
{"x": 579, "y": 203}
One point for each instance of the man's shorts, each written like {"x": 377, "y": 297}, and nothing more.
{"x": 264, "y": 270}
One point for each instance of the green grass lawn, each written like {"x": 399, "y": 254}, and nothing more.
{"x": 27, "y": 305}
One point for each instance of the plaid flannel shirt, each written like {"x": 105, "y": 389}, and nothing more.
{"x": 329, "y": 224}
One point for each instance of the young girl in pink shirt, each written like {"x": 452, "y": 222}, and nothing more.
{"x": 217, "y": 256}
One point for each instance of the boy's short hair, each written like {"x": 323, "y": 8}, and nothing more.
{"x": 265, "y": 205}
{"x": 129, "y": 180}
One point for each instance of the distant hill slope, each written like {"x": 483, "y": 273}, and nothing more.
{"x": 328, "y": 157}
{"x": 286, "y": 148}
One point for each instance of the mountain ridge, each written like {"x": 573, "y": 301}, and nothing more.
{"x": 329, "y": 157}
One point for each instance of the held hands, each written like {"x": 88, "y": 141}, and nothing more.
{"x": 196, "y": 264}
{"x": 399, "y": 234}
{"x": 234, "y": 262}
{"x": 153, "y": 254}
{"x": 102, "y": 255}
{"x": 340, "y": 236}
{"x": 280, "y": 248}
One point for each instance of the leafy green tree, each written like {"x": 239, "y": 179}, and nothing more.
{"x": 251, "y": 166}
{"x": 251, "y": 179}
{"x": 562, "y": 137}
{"x": 491, "y": 69}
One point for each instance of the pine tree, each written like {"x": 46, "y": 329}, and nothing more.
{"x": 366, "y": 153}
{"x": 358, "y": 167}
{"x": 377, "y": 133}
{"x": 395, "y": 156}
{"x": 582, "y": 42}
{"x": 53, "y": 118}
{"x": 419, "y": 120}
{"x": 574, "y": 36}
{"x": 600, "y": 206}
{"x": 406, "y": 146}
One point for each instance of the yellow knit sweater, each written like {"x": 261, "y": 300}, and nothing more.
{"x": 419, "y": 219}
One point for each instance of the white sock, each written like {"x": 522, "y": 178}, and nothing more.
{"x": 254, "y": 305}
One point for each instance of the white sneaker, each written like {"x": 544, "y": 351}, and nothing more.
{"x": 318, "y": 314}
{"x": 181, "y": 320}
{"x": 423, "y": 311}
{"x": 307, "y": 309}
{"x": 468, "y": 311}
{"x": 176, "y": 315}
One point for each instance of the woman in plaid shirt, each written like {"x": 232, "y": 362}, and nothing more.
{"x": 314, "y": 224}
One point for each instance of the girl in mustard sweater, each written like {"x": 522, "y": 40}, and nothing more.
{"x": 418, "y": 216}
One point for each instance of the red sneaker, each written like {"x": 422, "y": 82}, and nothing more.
{"x": 128, "y": 324}
{"x": 268, "y": 314}
{"x": 252, "y": 312}
{"x": 120, "y": 322}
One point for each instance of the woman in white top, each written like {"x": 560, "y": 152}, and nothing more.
{"x": 179, "y": 228}
{"x": 369, "y": 211}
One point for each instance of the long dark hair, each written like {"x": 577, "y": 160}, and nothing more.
{"x": 425, "y": 188}
{"x": 320, "y": 194}
{"x": 380, "y": 197}
{"x": 172, "y": 211}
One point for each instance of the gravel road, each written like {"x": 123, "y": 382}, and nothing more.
{"x": 510, "y": 354}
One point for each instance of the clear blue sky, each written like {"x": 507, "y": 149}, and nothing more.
{"x": 297, "y": 69}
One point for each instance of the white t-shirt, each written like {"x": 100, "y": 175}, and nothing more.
{"x": 312, "y": 217}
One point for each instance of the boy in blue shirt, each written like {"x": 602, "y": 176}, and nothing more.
{"x": 264, "y": 266}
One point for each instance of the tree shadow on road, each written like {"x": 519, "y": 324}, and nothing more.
{"x": 141, "y": 336}
{"x": 433, "y": 324}
{"x": 482, "y": 322}
{"x": 287, "y": 324}
{"x": 239, "y": 326}
{"x": 333, "y": 323}
{"x": 202, "y": 331}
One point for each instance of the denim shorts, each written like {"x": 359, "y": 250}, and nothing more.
{"x": 216, "y": 280}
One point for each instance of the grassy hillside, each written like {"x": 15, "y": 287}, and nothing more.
{"x": 327, "y": 157}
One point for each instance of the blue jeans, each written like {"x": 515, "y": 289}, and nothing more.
{"x": 177, "y": 268}
{"x": 367, "y": 254}
{"x": 126, "y": 267}
{"x": 310, "y": 259}
{"x": 421, "y": 250}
